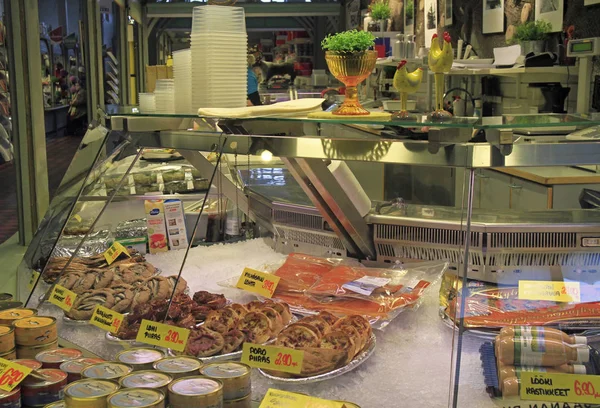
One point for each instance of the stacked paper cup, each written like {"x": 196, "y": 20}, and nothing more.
{"x": 219, "y": 46}
{"x": 164, "y": 96}
{"x": 182, "y": 74}
{"x": 147, "y": 103}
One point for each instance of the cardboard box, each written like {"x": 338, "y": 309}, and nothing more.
{"x": 155, "y": 220}
{"x": 155, "y": 72}
{"x": 175, "y": 219}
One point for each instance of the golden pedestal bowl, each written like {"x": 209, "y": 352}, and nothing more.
{"x": 351, "y": 70}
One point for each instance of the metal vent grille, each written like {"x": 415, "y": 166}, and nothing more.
{"x": 446, "y": 237}
{"x": 298, "y": 219}
{"x": 533, "y": 240}
{"x": 430, "y": 254}
{"x": 261, "y": 209}
{"x": 544, "y": 259}
{"x": 324, "y": 240}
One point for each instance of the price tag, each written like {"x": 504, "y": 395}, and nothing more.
{"x": 550, "y": 290}
{"x": 163, "y": 335}
{"x": 106, "y": 319}
{"x": 258, "y": 282}
{"x": 571, "y": 388}
{"x": 77, "y": 217}
{"x": 11, "y": 374}
{"x": 273, "y": 358}
{"x": 33, "y": 280}
{"x": 115, "y": 250}
{"x": 277, "y": 399}
{"x": 62, "y": 297}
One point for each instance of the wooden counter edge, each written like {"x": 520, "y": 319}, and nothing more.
{"x": 549, "y": 181}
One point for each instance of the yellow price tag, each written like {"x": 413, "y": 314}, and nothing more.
{"x": 550, "y": 290}
{"x": 62, "y": 297}
{"x": 278, "y": 398}
{"x": 33, "y": 280}
{"x": 571, "y": 388}
{"x": 115, "y": 250}
{"x": 106, "y": 319}
{"x": 163, "y": 335}
{"x": 11, "y": 374}
{"x": 77, "y": 217}
{"x": 258, "y": 282}
{"x": 273, "y": 358}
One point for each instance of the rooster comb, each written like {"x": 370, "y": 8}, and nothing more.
{"x": 401, "y": 64}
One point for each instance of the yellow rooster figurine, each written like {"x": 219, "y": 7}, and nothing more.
{"x": 440, "y": 62}
{"x": 406, "y": 83}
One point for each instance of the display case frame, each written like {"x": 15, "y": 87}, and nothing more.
{"x": 303, "y": 144}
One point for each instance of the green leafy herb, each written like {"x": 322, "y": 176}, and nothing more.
{"x": 410, "y": 9}
{"x": 348, "y": 41}
{"x": 380, "y": 10}
{"x": 531, "y": 31}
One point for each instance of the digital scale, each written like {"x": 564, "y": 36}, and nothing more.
{"x": 584, "y": 49}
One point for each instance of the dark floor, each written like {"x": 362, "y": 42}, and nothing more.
{"x": 60, "y": 151}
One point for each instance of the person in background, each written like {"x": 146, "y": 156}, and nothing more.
{"x": 77, "y": 119}
{"x": 253, "y": 95}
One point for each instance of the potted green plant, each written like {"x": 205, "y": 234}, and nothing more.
{"x": 410, "y": 12}
{"x": 381, "y": 12}
{"x": 532, "y": 36}
{"x": 350, "y": 59}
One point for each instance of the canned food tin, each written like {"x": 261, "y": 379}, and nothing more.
{"x": 11, "y": 399}
{"x": 6, "y": 297}
{"x": 11, "y": 355}
{"x": 147, "y": 379}
{"x": 30, "y": 352}
{"x": 245, "y": 402}
{"x": 37, "y": 392}
{"x": 54, "y": 358}
{"x": 10, "y": 305}
{"x": 234, "y": 376}
{"x": 178, "y": 367}
{"x": 136, "y": 397}
{"x": 140, "y": 358}
{"x": 7, "y": 339}
{"x": 89, "y": 393}
{"x": 10, "y": 315}
{"x": 73, "y": 368}
{"x": 33, "y": 364}
{"x": 57, "y": 404}
{"x": 198, "y": 392}
{"x": 35, "y": 331}
{"x": 106, "y": 371}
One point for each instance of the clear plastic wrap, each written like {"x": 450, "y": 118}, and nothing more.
{"x": 300, "y": 273}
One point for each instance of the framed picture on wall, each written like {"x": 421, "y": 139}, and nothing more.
{"x": 409, "y": 17}
{"x": 431, "y": 15}
{"x": 550, "y": 11}
{"x": 447, "y": 12}
{"x": 493, "y": 16}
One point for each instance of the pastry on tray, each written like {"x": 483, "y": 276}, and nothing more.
{"x": 84, "y": 305}
{"x": 204, "y": 343}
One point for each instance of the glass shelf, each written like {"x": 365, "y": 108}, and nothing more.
{"x": 419, "y": 121}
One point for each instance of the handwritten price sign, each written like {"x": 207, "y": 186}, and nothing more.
{"x": 571, "y": 388}
{"x": 62, "y": 297}
{"x": 277, "y": 398}
{"x": 33, "y": 280}
{"x": 163, "y": 335}
{"x": 550, "y": 290}
{"x": 106, "y": 319}
{"x": 273, "y": 358}
{"x": 11, "y": 374}
{"x": 115, "y": 250}
{"x": 263, "y": 284}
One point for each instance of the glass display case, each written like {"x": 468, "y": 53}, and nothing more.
{"x": 466, "y": 306}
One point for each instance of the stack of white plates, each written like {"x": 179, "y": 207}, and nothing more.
{"x": 182, "y": 74}
{"x": 164, "y": 96}
{"x": 219, "y": 45}
{"x": 147, "y": 104}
